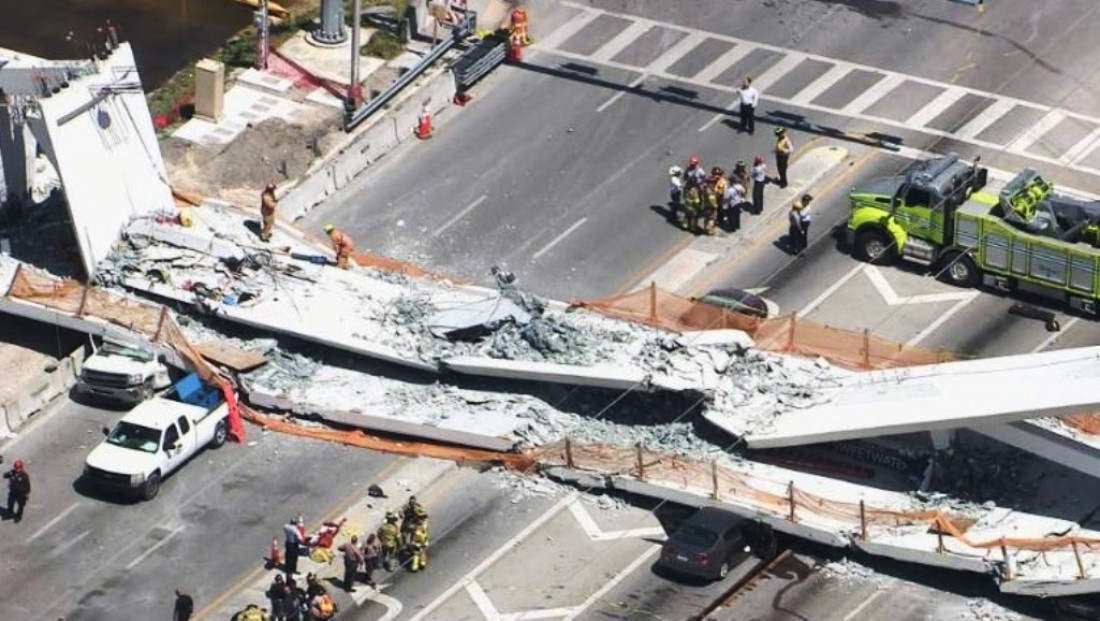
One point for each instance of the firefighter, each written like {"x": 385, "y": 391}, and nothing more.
{"x": 711, "y": 202}
{"x": 740, "y": 174}
{"x": 390, "y": 536}
{"x": 409, "y": 514}
{"x": 675, "y": 193}
{"x": 268, "y": 203}
{"x": 693, "y": 206}
{"x": 19, "y": 489}
{"x": 694, "y": 175}
{"x": 341, "y": 245}
{"x": 322, "y": 608}
{"x": 783, "y": 149}
{"x": 518, "y": 18}
{"x": 252, "y": 612}
{"x": 419, "y": 545}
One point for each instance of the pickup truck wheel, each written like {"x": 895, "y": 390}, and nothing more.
{"x": 221, "y": 433}
{"x": 874, "y": 246}
{"x": 152, "y": 486}
{"x": 960, "y": 270}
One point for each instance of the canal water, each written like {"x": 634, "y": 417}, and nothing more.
{"x": 167, "y": 35}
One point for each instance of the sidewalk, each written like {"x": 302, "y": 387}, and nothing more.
{"x": 416, "y": 477}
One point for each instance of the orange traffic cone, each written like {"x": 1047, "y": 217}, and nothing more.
{"x": 274, "y": 555}
{"x": 424, "y": 128}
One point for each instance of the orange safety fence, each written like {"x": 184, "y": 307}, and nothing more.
{"x": 147, "y": 319}
{"x": 785, "y": 501}
{"x": 1085, "y": 423}
{"x": 515, "y": 461}
{"x": 857, "y": 350}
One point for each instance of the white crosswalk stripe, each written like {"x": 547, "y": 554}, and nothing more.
{"x": 948, "y": 95}
{"x": 620, "y": 41}
{"x": 1082, "y": 148}
{"x": 814, "y": 89}
{"x": 676, "y": 52}
{"x": 869, "y": 97}
{"x": 986, "y": 118}
{"x": 773, "y": 74}
{"x": 936, "y": 107}
{"x": 723, "y": 62}
{"x": 1034, "y": 134}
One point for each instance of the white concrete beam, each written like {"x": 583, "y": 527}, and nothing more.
{"x": 1046, "y": 444}
{"x": 601, "y": 376}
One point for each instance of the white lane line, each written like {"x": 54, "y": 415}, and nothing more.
{"x": 814, "y": 89}
{"x": 472, "y": 575}
{"x": 633, "y": 84}
{"x": 557, "y": 240}
{"x": 985, "y": 118}
{"x": 459, "y": 215}
{"x": 942, "y": 319}
{"x": 826, "y": 294}
{"x": 60, "y": 516}
{"x": 773, "y": 74}
{"x": 1048, "y": 341}
{"x": 60, "y": 549}
{"x": 620, "y": 41}
{"x": 718, "y": 117}
{"x": 482, "y": 601}
{"x": 723, "y": 62}
{"x": 637, "y": 82}
{"x": 156, "y": 546}
{"x": 867, "y": 602}
{"x": 991, "y": 146}
{"x": 891, "y": 297}
{"x": 934, "y": 108}
{"x": 1035, "y": 133}
{"x": 868, "y": 97}
{"x": 592, "y": 599}
{"x": 538, "y": 613}
{"x": 1080, "y": 150}
{"x": 562, "y": 33}
{"x": 595, "y": 533}
{"x": 677, "y": 51}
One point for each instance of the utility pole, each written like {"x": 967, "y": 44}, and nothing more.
{"x": 355, "y": 89}
{"x": 263, "y": 31}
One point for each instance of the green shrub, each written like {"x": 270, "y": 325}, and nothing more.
{"x": 384, "y": 45}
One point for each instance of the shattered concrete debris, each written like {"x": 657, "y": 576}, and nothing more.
{"x": 849, "y": 571}
{"x": 522, "y": 487}
{"x": 980, "y": 609}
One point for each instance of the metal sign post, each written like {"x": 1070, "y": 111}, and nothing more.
{"x": 263, "y": 31}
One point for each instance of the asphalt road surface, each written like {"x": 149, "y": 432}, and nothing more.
{"x": 80, "y": 556}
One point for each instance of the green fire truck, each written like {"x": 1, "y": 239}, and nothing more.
{"x": 1026, "y": 237}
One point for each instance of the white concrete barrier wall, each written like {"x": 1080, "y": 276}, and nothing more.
{"x": 394, "y": 125}
{"x": 41, "y": 391}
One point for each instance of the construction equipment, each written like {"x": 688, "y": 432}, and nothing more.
{"x": 1025, "y": 237}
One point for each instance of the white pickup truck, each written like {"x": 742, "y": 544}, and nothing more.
{"x": 123, "y": 373}
{"x": 157, "y": 437}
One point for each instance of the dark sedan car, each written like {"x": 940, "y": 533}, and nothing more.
{"x": 707, "y": 545}
{"x": 739, "y": 301}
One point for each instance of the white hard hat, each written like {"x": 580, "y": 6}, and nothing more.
{"x": 675, "y": 171}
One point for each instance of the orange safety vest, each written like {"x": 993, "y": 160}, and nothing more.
{"x": 326, "y": 606}
{"x": 519, "y": 17}
{"x": 341, "y": 243}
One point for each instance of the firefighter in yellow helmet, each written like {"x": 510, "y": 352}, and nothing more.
{"x": 341, "y": 245}
{"x": 268, "y": 203}
{"x": 390, "y": 536}
{"x": 693, "y": 206}
{"x": 251, "y": 613}
{"x": 409, "y": 515}
{"x": 419, "y": 545}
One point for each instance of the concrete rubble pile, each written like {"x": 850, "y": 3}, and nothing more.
{"x": 219, "y": 266}
{"x": 984, "y": 610}
{"x": 849, "y": 571}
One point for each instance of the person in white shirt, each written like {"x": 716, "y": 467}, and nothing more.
{"x": 798, "y": 218}
{"x": 732, "y": 202}
{"x": 759, "y": 180}
{"x": 749, "y": 98}
{"x": 675, "y": 193}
